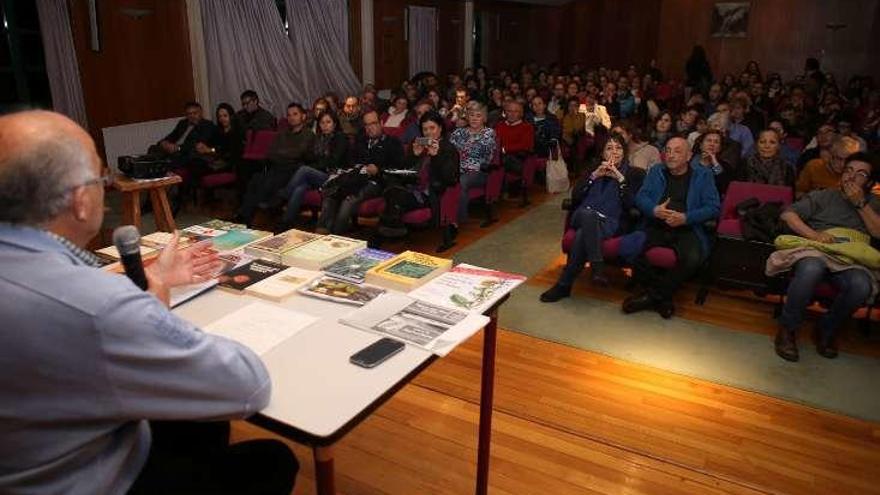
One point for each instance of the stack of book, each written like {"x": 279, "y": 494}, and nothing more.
{"x": 273, "y": 248}
{"x": 407, "y": 270}
{"x": 354, "y": 267}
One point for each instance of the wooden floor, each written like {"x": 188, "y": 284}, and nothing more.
{"x": 568, "y": 421}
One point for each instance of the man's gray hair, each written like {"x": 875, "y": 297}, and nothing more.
{"x": 845, "y": 144}
{"x": 476, "y": 106}
{"x": 36, "y": 181}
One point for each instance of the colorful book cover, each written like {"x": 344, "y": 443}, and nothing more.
{"x": 468, "y": 288}
{"x": 283, "y": 284}
{"x": 236, "y": 239}
{"x": 321, "y": 252}
{"x": 341, "y": 291}
{"x": 110, "y": 252}
{"x": 274, "y": 247}
{"x": 158, "y": 240}
{"x": 407, "y": 270}
{"x": 239, "y": 279}
{"x": 354, "y": 267}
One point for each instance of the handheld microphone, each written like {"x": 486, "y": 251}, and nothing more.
{"x": 127, "y": 240}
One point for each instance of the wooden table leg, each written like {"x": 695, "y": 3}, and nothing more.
{"x": 487, "y": 392}
{"x": 324, "y": 478}
{"x": 162, "y": 210}
{"x": 131, "y": 208}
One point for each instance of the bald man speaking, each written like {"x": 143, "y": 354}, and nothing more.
{"x": 102, "y": 389}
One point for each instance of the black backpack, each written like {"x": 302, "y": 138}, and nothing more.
{"x": 760, "y": 221}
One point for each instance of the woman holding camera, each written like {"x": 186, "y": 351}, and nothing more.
{"x": 404, "y": 191}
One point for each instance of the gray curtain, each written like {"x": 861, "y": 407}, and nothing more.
{"x": 319, "y": 34}
{"x": 422, "y": 31}
{"x": 247, "y": 48}
{"x": 61, "y": 64}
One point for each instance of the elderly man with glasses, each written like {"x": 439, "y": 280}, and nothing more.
{"x": 826, "y": 174}
{"x": 850, "y": 206}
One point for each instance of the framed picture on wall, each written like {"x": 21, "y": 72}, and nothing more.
{"x": 730, "y": 20}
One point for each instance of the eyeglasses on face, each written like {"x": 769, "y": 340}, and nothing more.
{"x": 861, "y": 173}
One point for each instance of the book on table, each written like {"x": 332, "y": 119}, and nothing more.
{"x": 321, "y": 252}
{"x": 468, "y": 287}
{"x": 159, "y": 239}
{"x": 110, "y": 252}
{"x": 239, "y": 279}
{"x": 237, "y": 239}
{"x": 212, "y": 228}
{"x": 274, "y": 247}
{"x": 435, "y": 328}
{"x": 353, "y": 267}
{"x": 407, "y": 271}
{"x": 341, "y": 291}
{"x": 283, "y": 284}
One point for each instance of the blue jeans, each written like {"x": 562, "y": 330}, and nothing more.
{"x": 592, "y": 229}
{"x": 304, "y": 179}
{"x": 854, "y": 287}
{"x": 469, "y": 180}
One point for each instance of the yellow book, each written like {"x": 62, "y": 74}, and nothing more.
{"x": 407, "y": 271}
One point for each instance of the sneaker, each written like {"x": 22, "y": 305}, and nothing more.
{"x": 555, "y": 293}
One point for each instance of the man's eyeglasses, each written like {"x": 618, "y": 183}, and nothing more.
{"x": 861, "y": 173}
{"x": 106, "y": 179}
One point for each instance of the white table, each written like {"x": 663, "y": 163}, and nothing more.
{"x": 318, "y": 396}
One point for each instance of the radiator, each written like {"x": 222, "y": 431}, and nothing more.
{"x": 134, "y": 139}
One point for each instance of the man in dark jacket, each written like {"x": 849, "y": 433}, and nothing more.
{"x": 180, "y": 144}
{"x": 676, "y": 200}
{"x": 252, "y": 116}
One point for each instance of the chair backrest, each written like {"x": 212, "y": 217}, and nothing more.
{"x": 257, "y": 144}
{"x": 738, "y": 192}
{"x": 797, "y": 143}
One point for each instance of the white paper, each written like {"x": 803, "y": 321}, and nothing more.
{"x": 261, "y": 326}
{"x": 473, "y": 289}
{"x": 436, "y": 329}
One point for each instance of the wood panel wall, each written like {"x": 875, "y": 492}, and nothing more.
{"x": 143, "y": 71}
{"x": 782, "y": 33}
{"x": 517, "y": 33}
{"x": 392, "y": 52}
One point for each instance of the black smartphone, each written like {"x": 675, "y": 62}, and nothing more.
{"x": 377, "y": 352}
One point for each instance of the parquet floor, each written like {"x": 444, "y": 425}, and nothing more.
{"x": 568, "y": 421}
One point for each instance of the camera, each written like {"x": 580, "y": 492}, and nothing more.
{"x": 424, "y": 141}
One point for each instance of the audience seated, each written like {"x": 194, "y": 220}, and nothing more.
{"x": 291, "y": 149}
{"x": 600, "y": 203}
{"x": 330, "y": 154}
{"x": 736, "y": 131}
{"x": 676, "y": 200}
{"x": 223, "y": 149}
{"x": 850, "y": 206}
{"x": 404, "y": 193}
{"x": 822, "y": 174}
{"x": 373, "y": 152}
{"x": 641, "y": 154}
{"x": 786, "y": 151}
{"x": 476, "y": 146}
{"x": 766, "y": 165}
{"x": 819, "y": 146}
{"x": 252, "y": 116}
{"x": 662, "y": 130}
{"x": 594, "y": 114}
{"x": 180, "y": 144}
{"x": 708, "y": 154}
{"x": 573, "y": 122}
{"x": 516, "y": 137}
{"x": 547, "y": 128}
{"x": 350, "y": 119}
{"x": 398, "y": 118}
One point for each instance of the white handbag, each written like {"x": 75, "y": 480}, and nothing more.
{"x": 557, "y": 172}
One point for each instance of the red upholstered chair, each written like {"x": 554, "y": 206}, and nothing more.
{"x": 796, "y": 143}
{"x": 491, "y": 191}
{"x": 526, "y": 177}
{"x": 256, "y": 146}
{"x": 448, "y": 207}
{"x": 730, "y": 224}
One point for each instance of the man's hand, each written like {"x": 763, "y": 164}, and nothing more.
{"x": 853, "y": 193}
{"x": 168, "y": 146}
{"x": 372, "y": 169}
{"x": 175, "y": 267}
{"x": 202, "y": 148}
{"x": 823, "y": 237}
{"x": 676, "y": 219}
{"x": 417, "y": 149}
{"x": 661, "y": 211}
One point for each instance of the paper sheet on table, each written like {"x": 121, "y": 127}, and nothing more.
{"x": 180, "y": 295}
{"x": 260, "y": 326}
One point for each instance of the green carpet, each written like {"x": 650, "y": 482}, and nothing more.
{"x": 739, "y": 359}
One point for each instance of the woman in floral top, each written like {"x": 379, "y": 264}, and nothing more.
{"x": 476, "y": 148}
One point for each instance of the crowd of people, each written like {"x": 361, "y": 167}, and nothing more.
{"x": 638, "y": 140}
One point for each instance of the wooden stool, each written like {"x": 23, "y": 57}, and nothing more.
{"x": 131, "y": 200}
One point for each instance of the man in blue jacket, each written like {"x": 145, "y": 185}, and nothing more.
{"x": 676, "y": 200}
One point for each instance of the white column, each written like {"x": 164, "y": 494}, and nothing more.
{"x": 368, "y": 54}
{"x": 468, "y": 33}
{"x": 198, "y": 56}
